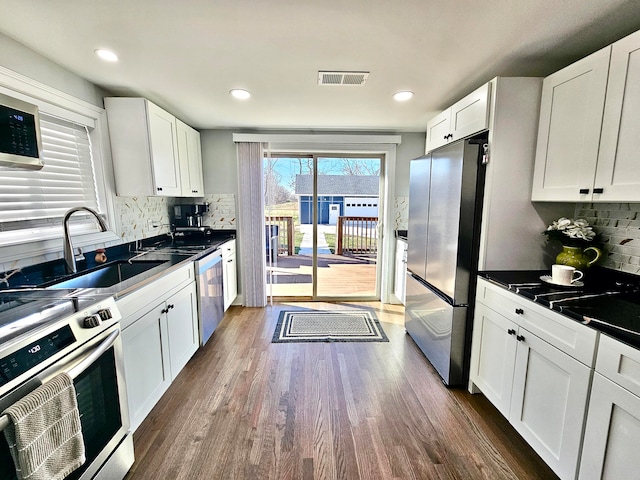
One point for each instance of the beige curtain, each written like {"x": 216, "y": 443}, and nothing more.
{"x": 251, "y": 237}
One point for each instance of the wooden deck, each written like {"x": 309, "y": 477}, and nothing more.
{"x": 338, "y": 276}
{"x": 244, "y": 408}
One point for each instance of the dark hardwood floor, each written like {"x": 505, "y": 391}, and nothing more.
{"x": 246, "y": 408}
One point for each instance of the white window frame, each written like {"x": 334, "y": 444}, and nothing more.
{"x": 63, "y": 105}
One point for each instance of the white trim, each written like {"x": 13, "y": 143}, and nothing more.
{"x": 53, "y": 246}
{"x": 368, "y": 144}
{"x": 19, "y": 83}
{"x": 322, "y": 139}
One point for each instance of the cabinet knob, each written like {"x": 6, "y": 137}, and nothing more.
{"x": 520, "y": 338}
{"x": 170, "y": 306}
{"x": 511, "y": 331}
{"x": 584, "y": 191}
{"x": 598, "y": 190}
{"x": 159, "y": 189}
{"x": 519, "y": 311}
{"x": 164, "y": 310}
{"x": 445, "y": 137}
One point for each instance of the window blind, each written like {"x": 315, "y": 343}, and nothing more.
{"x": 32, "y": 198}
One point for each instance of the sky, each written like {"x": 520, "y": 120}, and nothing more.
{"x": 287, "y": 168}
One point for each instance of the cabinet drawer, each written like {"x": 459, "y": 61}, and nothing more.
{"x": 620, "y": 363}
{"x": 150, "y": 293}
{"x": 563, "y": 333}
{"x": 228, "y": 248}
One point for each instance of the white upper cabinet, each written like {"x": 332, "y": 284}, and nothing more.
{"x": 145, "y": 150}
{"x": 190, "y": 155}
{"x": 618, "y": 172}
{"x": 569, "y": 132}
{"x": 463, "y": 118}
{"x": 589, "y": 119}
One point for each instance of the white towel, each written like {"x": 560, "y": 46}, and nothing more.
{"x": 45, "y": 436}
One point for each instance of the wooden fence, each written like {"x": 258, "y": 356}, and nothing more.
{"x": 357, "y": 236}
{"x": 285, "y": 233}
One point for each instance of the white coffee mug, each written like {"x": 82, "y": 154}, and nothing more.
{"x": 564, "y": 274}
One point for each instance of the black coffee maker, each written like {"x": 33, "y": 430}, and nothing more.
{"x": 189, "y": 217}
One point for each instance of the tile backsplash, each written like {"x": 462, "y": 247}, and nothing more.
{"x": 141, "y": 217}
{"x": 619, "y": 226}
{"x": 401, "y": 213}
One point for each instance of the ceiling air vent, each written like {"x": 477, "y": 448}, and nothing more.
{"x": 342, "y": 78}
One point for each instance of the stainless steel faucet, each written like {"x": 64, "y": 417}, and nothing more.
{"x": 69, "y": 257}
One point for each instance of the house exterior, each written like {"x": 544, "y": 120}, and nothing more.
{"x": 338, "y": 195}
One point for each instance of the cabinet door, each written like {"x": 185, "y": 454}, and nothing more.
{"x": 189, "y": 152}
{"x": 146, "y": 370}
{"x": 438, "y": 130}
{"x": 163, "y": 140}
{"x": 493, "y": 354}
{"x": 618, "y": 174}
{"x": 548, "y": 404}
{"x": 471, "y": 114}
{"x": 229, "y": 280}
{"x": 401, "y": 270}
{"x": 612, "y": 433}
{"x": 569, "y": 131}
{"x": 182, "y": 327}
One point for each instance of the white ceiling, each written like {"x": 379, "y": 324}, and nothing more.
{"x": 186, "y": 55}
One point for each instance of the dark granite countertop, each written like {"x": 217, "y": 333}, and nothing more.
{"x": 48, "y": 273}
{"x": 609, "y": 301}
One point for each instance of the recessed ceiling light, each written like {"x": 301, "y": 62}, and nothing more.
{"x": 402, "y": 96}
{"x": 240, "y": 93}
{"x": 107, "y": 55}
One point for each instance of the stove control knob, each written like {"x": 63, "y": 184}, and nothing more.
{"x": 92, "y": 321}
{"x": 105, "y": 314}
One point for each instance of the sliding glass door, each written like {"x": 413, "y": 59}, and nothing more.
{"x": 321, "y": 226}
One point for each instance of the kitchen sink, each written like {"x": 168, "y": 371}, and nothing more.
{"x": 108, "y": 275}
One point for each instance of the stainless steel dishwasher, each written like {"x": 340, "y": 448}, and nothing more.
{"x": 210, "y": 294}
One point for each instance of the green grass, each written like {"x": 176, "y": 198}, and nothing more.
{"x": 331, "y": 241}
{"x": 289, "y": 209}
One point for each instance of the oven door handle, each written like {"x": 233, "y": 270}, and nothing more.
{"x": 76, "y": 370}
{"x": 108, "y": 342}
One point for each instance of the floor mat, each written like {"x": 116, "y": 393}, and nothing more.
{"x": 328, "y": 326}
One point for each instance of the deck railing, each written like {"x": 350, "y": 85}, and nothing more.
{"x": 357, "y": 236}
{"x": 285, "y": 233}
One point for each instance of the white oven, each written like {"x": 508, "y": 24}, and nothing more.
{"x": 85, "y": 344}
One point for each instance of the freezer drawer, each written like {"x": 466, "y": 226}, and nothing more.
{"x": 438, "y": 328}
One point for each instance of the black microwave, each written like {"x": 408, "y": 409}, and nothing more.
{"x": 20, "y": 140}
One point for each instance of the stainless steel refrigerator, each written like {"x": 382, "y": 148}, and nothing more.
{"x": 445, "y": 202}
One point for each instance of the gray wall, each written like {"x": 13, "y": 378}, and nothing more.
{"x": 20, "y": 59}
{"x": 221, "y": 173}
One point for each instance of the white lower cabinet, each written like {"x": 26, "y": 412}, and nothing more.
{"x": 400, "y": 280}
{"x": 182, "y": 330}
{"x": 147, "y": 373}
{"x": 532, "y": 379}
{"x": 549, "y": 401}
{"x": 158, "y": 339}
{"x": 612, "y": 432}
{"x": 229, "y": 273}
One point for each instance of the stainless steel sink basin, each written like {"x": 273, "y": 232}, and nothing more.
{"x": 108, "y": 275}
